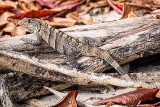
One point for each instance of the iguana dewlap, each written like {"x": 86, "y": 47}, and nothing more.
{"x": 66, "y": 44}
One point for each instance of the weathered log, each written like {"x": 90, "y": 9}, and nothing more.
{"x": 138, "y": 38}
{"x": 74, "y": 76}
{"x": 125, "y": 45}
{"x": 22, "y": 86}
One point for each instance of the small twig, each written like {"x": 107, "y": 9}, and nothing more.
{"x": 57, "y": 93}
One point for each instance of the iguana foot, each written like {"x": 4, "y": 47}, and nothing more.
{"x": 72, "y": 62}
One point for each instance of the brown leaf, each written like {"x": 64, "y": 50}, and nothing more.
{"x": 28, "y": 5}
{"x": 10, "y": 26}
{"x": 99, "y": 3}
{"x": 4, "y": 17}
{"x": 68, "y": 101}
{"x": 146, "y": 3}
{"x": 63, "y": 22}
{"x": 74, "y": 16}
{"x": 7, "y": 28}
{"x": 158, "y": 94}
{"x": 7, "y": 6}
{"x": 134, "y": 11}
{"x": 4, "y": 23}
{"x": 132, "y": 97}
{"x": 157, "y": 2}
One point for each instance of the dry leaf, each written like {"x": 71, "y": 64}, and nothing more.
{"x": 8, "y": 28}
{"x": 146, "y": 105}
{"x": 134, "y": 11}
{"x": 118, "y": 7}
{"x": 156, "y": 2}
{"x": 65, "y": 22}
{"x": 29, "y": 5}
{"x": 35, "y": 14}
{"x": 61, "y": 5}
{"x": 68, "y": 101}
{"x": 3, "y": 23}
{"x": 7, "y": 6}
{"x": 132, "y": 97}
{"x": 146, "y": 3}
{"x": 43, "y": 12}
{"x": 158, "y": 94}
{"x": 74, "y": 17}
{"x": 98, "y": 4}
{"x": 5, "y": 16}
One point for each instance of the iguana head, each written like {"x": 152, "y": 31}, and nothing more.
{"x": 32, "y": 24}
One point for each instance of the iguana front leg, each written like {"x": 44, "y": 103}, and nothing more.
{"x": 36, "y": 41}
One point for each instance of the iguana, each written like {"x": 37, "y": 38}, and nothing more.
{"x": 66, "y": 44}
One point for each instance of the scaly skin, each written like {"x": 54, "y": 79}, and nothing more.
{"x": 66, "y": 44}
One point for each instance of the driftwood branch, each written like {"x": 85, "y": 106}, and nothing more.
{"x": 22, "y": 86}
{"x": 74, "y": 76}
{"x": 139, "y": 37}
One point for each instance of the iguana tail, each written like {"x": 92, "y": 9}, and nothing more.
{"x": 89, "y": 50}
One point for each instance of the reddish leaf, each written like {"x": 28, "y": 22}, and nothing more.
{"x": 48, "y": 3}
{"x": 65, "y": 5}
{"x": 132, "y": 97}
{"x": 146, "y": 105}
{"x": 118, "y": 7}
{"x": 68, "y": 101}
{"x": 43, "y": 13}
{"x": 34, "y": 14}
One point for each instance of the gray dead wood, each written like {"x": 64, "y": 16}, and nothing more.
{"x": 127, "y": 40}
{"x": 73, "y": 75}
{"x": 22, "y": 86}
{"x": 4, "y": 94}
{"x": 139, "y": 37}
